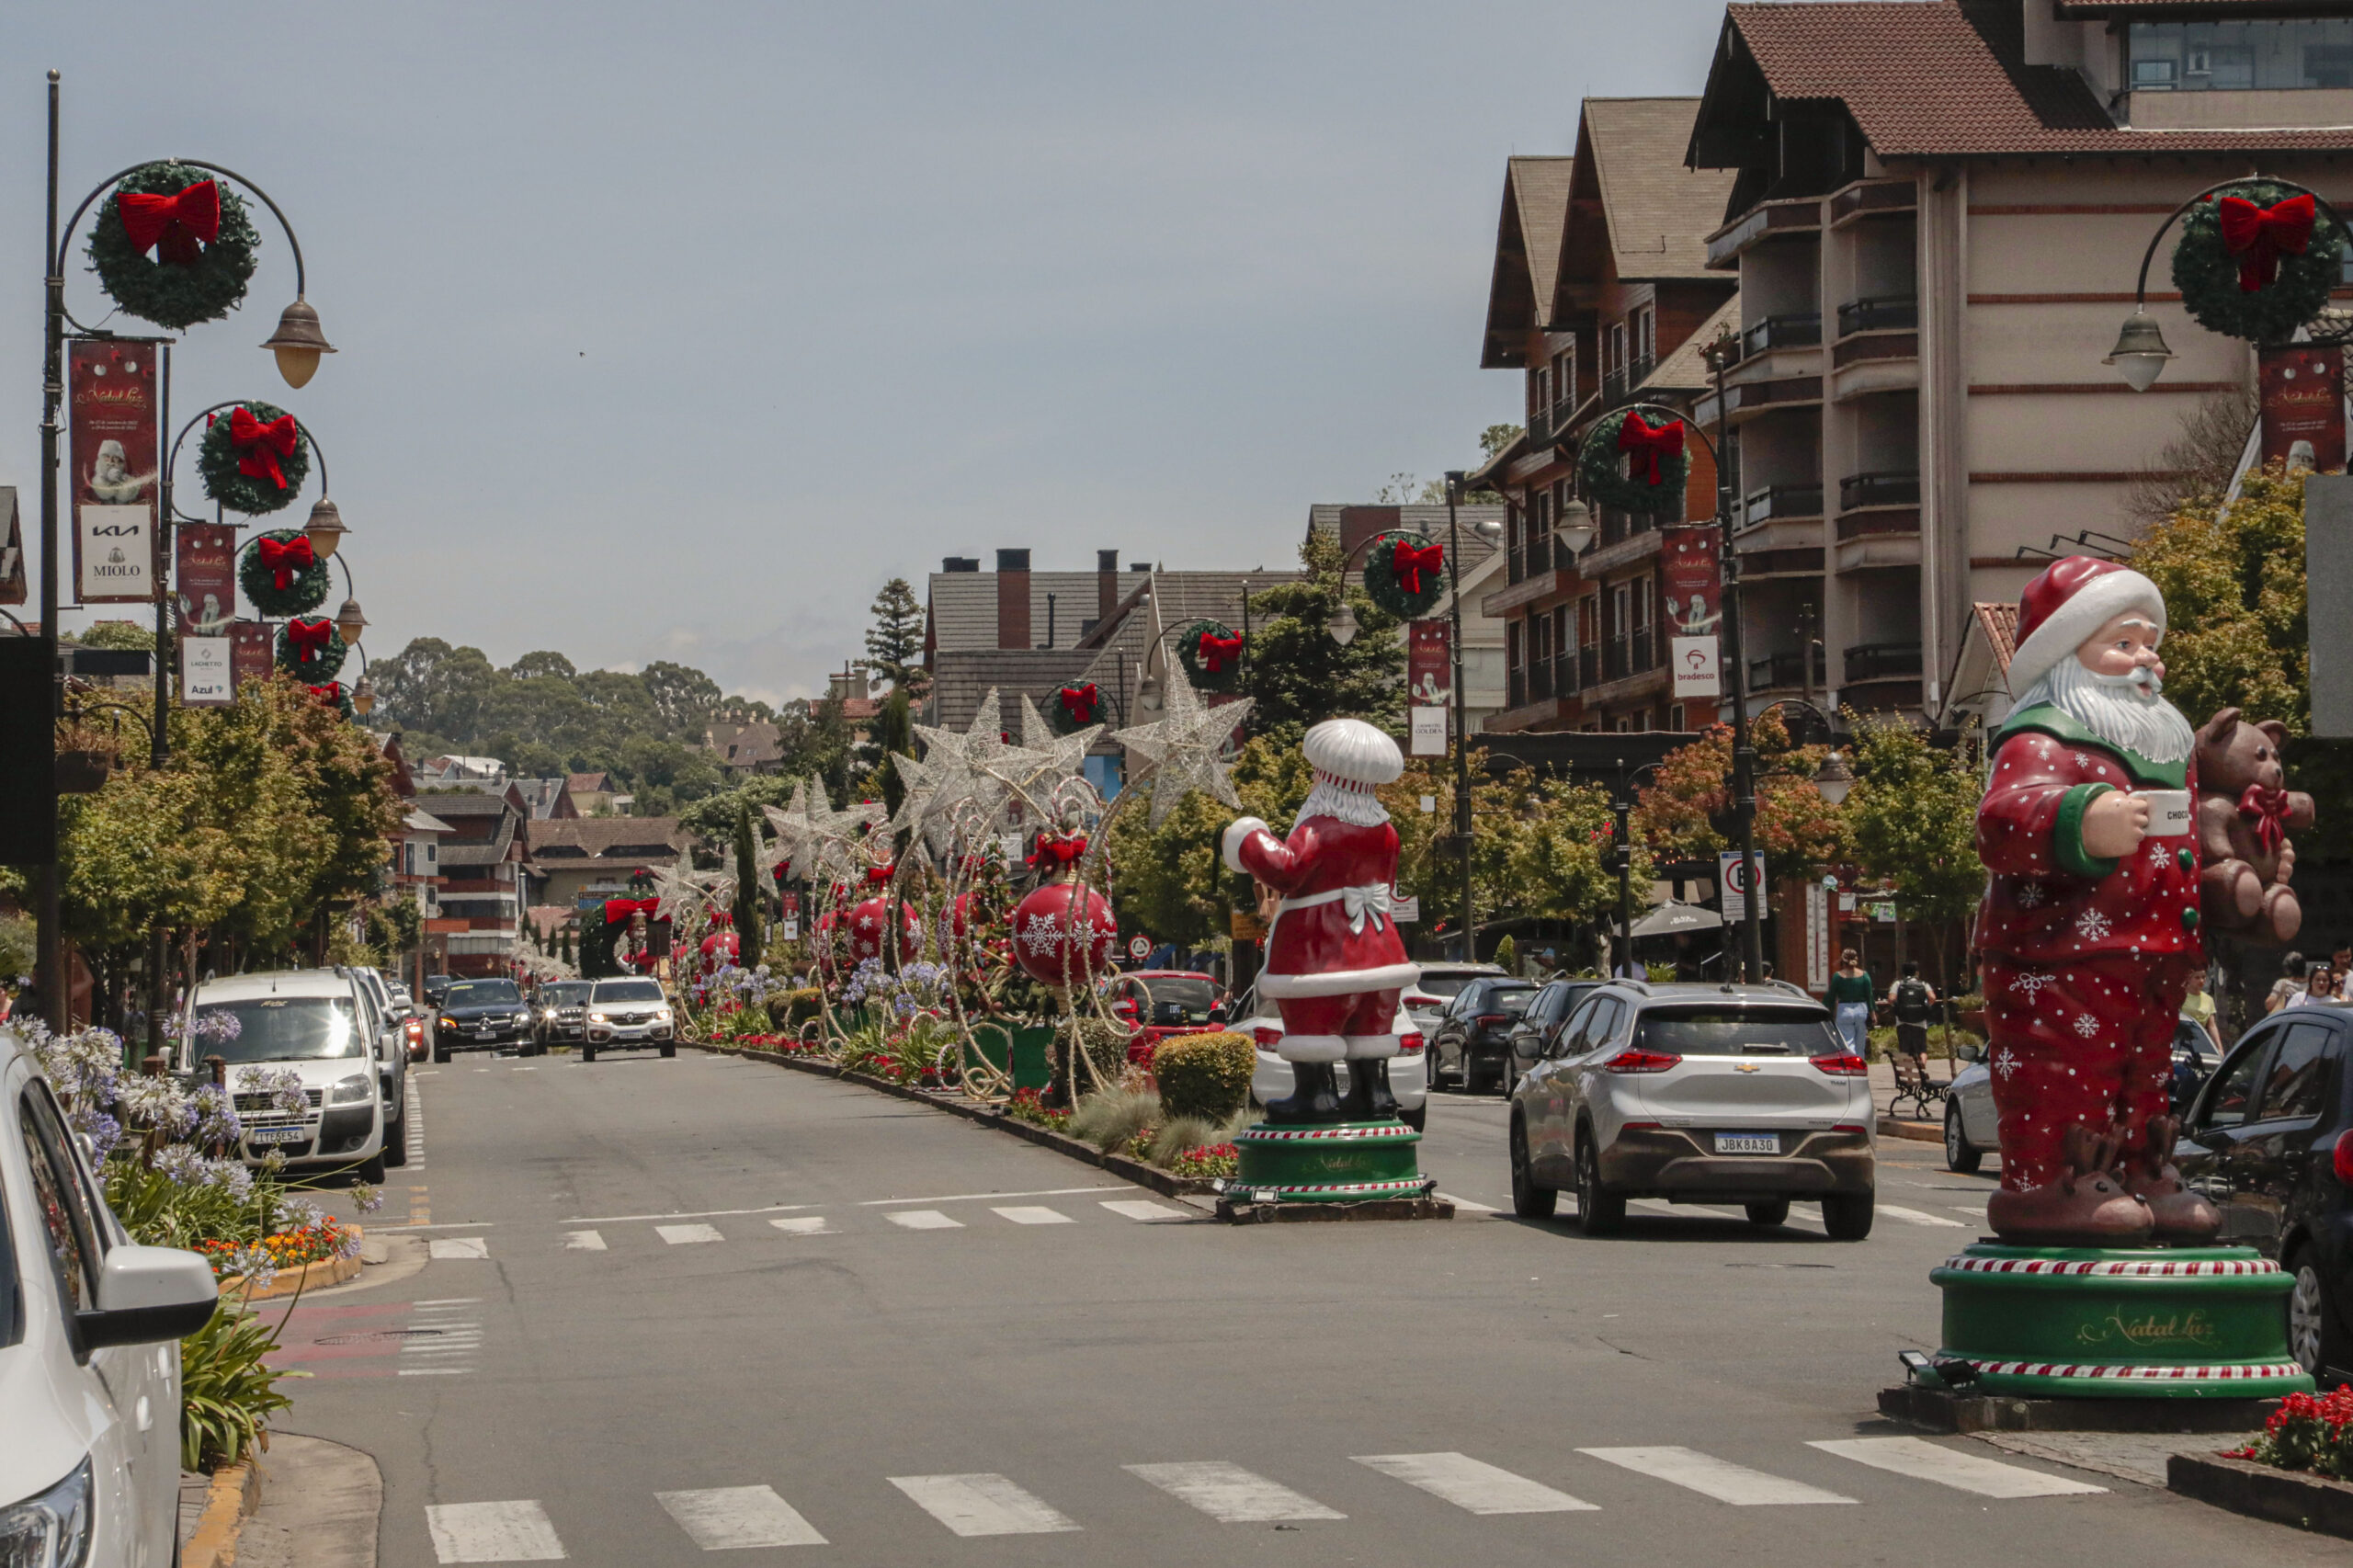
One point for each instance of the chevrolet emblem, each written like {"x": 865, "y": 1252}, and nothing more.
{"x": 1745, "y": 1067}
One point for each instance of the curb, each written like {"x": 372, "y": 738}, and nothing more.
{"x": 1119, "y": 1165}
{"x": 234, "y": 1495}
{"x": 1941, "y": 1411}
{"x": 2264, "y": 1492}
{"x": 318, "y": 1276}
{"x": 1912, "y": 1131}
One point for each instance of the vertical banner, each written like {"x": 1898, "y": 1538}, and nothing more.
{"x": 112, "y": 415}
{"x": 206, "y": 672}
{"x": 251, "y": 652}
{"x": 1693, "y": 587}
{"x": 2304, "y": 406}
{"x": 1817, "y": 937}
{"x": 12, "y": 548}
{"x": 1429, "y": 684}
{"x": 207, "y": 578}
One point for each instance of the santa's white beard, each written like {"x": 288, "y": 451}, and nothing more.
{"x": 2126, "y": 711}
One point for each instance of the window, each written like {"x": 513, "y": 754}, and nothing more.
{"x": 1538, "y": 399}
{"x": 1737, "y": 1031}
{"x": 1617, "y": 346}
{"x": 1590, "y": 632}
{"x": 285, "y": 1029}
{"x": 1564, "y": 374}
{"x": 2227, "y": 1096}
{"x": 1621, "y": 609}
{"x": 2298, "y": 1072}
{"x": 2236, "y": 56}
{"x": 1514, "y": 640}
{"x": 1675, "y": 722}
{"x": 69, "y": 1218}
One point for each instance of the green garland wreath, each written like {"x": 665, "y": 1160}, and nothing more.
{"x": 2208, "y": 274}
{"x": 1064, "y": 721}
{"x": 216, "y": 459}
{"x": 1601, "y": 470}
{"x": 305, "y": 591}
{"x": 1189, "y": 648}
{"x": 1381, "y": 582}
{"x": 172, "y": 295}
{"x": 319, "y": 672}
{"x": 342, "y": 699}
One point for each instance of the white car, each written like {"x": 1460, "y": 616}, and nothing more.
{"x": 1271, "y": 1080}
{"x": 89, "y": 1366}
{"x": 1439, "y": 984}
{"x": 629, "y": 1014}
{"x": 391, "y": 1059}
{"x": 1697, "y": 1093}
{"x": 315, "y": 1024}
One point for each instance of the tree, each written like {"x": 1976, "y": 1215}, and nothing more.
{"x": 894, "y": 642}
{"x": 1913, "y": 813}
{"x": 747, "y": 889}
{"x": 1687, "y": 813}
{"x": 127, "y": 635}
{"x": 430, "y": 685}
{"x": 684, "y": 698}
{"x": 893, "y": 734}
{"x": 543, "y": 663}
{"x": 1298, "y": 674}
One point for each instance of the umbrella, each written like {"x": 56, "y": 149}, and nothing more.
{"x": 1670, "y": 918}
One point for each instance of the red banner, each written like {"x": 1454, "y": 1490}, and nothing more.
{"x": 253, "y": 653}
{"x": 2304, "y": 405}
{"x": 1691, "y": 582}
{"x": 112, "y": 412}
{"x": 207, "y": 578}
{"x": 1429, "y": 664}
{"x": 12, "y": 548}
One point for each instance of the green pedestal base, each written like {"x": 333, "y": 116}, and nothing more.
{"x": 1343, "y": 1162}
{"x": 2140, "y": 1323}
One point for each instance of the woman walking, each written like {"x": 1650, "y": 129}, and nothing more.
{"x": 1851, "y": 995}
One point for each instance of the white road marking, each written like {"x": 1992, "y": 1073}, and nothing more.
{"x": 1713, "y": 1477}
{"x": 526, "y": 1069}
{"x": 804, "y": 1225}
{"x": 925, "y": 1220}
{"x": 983, "y": 1505}
{"x": 449, "y": 1301}
{"x": 438, "y": 1372}
{"x": 1661, "y": 1206}
{"x": 1230, "y": 1494}
{"x": 1467, "y": 1206}
{"x": 583, "y": 1240}
{"x": 1471, "y": 1484}
{"x": 727, "y": 1517}
{"x": 1958, "y": 1468}
{"x": 1137, "y": 1209}
{"x": 425, "y": 1072}
{"x": 979, "y": 1197}
{"x": 493, "y": 1532}
{"x": 459, "y": 1246}
{"x": 699, "y": 1214}
{"x": 687, "y": 1236}
{"x": 1920, "y": 1217}
{"x": 1034, "y": 1215}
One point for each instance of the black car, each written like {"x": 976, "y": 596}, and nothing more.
{"x": 437, "y": 986}
{"x": 1541, "y": 1024}
{"x": 2269, "y": 1141}
{"x": 563, "y": 1006}
{"x": 1473, "y": 1030}
{"x": 482, "y": 1014}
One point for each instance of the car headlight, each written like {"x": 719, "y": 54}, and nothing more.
{"x": 662, "y": 1014}
{"x": 350, "y": 1091}
{"x": 51, "y": 1529}
{"x": 596, "y": 1017}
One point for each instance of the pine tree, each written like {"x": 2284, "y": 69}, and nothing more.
{"x": 747, "y": 891}
{"x": 565, "y": 936}
{"x": 894, "y": 642}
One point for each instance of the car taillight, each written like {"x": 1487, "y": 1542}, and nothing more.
{"x": 1632, "y": 1060}
{"x": 2343, "y": 1162}
{"x": 1267, "y": 1039}
{"x": 1844, "y": 1066}
{"x": 1410, "y": 1043}
{"x": 1489, "y": 1020}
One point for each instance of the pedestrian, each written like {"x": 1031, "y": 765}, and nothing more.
{"x": 2198, "y": 1007}
{"x": 2320, "y": 989}
{"x": 2290, "y": 980}
{"x": 6, "y": 1003}
{"x": 2340, "y": 963}
{"x": 1912, "y": 999}
{"x": 1851, "y": 995}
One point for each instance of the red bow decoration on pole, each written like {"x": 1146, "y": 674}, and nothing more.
{"x": 331, "y": 694}
{"x": 1409, "y": 562}
{"x": 282, "y": 558}
{"x": 308, "y": 638}
{"x": 620, "y": 909}
{"x": 1645, "y": 446}
{"x": 173, "y": 225}
{"x": 2259, "y": 236}
{"x": 1080, "y": 702}
{"x": 1057, "y": 849}
{"x": 2266, "y": 812}
{"x": 261, "y": 448}
{"x": 877, "y": 875}
{"x": 1216, "y": 652}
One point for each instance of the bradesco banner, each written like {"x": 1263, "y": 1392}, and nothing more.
{"x": 1693, "y": 587}
{"x": 112, "y": 419}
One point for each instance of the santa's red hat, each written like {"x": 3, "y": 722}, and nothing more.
{"x": 2072, "y": 599}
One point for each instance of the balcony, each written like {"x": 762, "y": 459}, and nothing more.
{"x": 1893, "y": 487}
{"x": 1781, "y": 332}
{"x": 1786, "y": 672}
{"x": 1779, "y": 501}
{"x": 1619, "y": 386}
{"x": 1879, "y": 312}
{"x": 1623, "y": 657}
{"x": 1882, "y": 661}
{"x": 1770, "y": 220}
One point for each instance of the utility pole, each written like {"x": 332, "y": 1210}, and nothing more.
{"x": 1744, "y": 755}
{"x": 49, "y": 961}
{"x": 1461, "y": 723}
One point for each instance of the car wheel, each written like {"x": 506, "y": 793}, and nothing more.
{"x": 2313, "y": 1336}
{"x": 440, "y": 1053}
{"x": 1771, "y": 1211}
{"x": 1847, "y": 1215}
{"x": 1418, "y": 1118}
{"x": 371, "y": 1169}
{"x": 1600, "y": 1212}
{"x": 669, "y": 1048}
{"x": 587, "y": 1054}
{"x": 1506, "y": 1076}
{"x": 1529, "y": 1200}
{"x": 1961, "y": 1154}
{"x": 396, "y": 1143}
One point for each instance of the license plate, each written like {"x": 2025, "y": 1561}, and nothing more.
{"x": 1747, "y": 1143}
{"x": 278, "y": 1135}
{"x": 484, "y": 1033}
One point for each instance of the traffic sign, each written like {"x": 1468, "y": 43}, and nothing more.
{"x": 1733, "y": 885}
{"x": 1139, "y": 946}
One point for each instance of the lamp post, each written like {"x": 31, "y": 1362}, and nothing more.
{"x": 1623, "y": 806}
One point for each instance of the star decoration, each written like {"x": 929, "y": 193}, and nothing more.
{"x": 1185, "y": 749}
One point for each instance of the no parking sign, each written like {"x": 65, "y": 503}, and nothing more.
{"x": 1733, "y": 882}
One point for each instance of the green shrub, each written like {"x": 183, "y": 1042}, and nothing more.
{"x": 800, "y": 1006}
{"x": 1204, "y": 1076}
{"x": 1508, "y": 956}
{"x": 1111, "y": 1120}
{"x": 228, "y": 1390}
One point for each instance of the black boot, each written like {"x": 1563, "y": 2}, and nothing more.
{"x": 1314, "y": 1096}
{"x": 1369, "y": 1097}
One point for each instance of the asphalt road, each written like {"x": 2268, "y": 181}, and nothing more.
{"x": 709, "y": 1304}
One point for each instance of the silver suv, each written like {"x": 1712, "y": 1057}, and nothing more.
{"x": 1696, "y": 1094}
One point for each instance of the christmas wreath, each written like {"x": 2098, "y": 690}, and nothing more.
{"x": 2254, "y": 261}
{"x": 332, "y": 695}
{"x": 202, "y": 240}
{"x": 1076, "y": 706}
{"x": 254, "y": 460}
{"x": 1213, "y": 654}
{"x": 282, "y": 574}
{"x": 311, "y": 651}
{"x": 1404, "y": 574}
{"x": 1629, "y": 463}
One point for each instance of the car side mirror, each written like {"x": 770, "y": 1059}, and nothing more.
{"x": 1969, "y": 1050}
{"x": 148, "y": 1295}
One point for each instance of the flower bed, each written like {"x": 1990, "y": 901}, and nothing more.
{"x": 314, "y": 1241}
{"x": 1028, "y": 1105}
{"x": 2308, "y": 1432}
{"x": 1207, "y": 1162}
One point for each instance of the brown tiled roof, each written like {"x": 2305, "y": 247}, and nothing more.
{"x": 589, "y": 784}
{"x": 2000, "y": 624}
{"x": 1659, "y": 212}
{"x": 1528, "y": 254}
{"x": 1686, "y": 369}
{"x": 613, "y": 838}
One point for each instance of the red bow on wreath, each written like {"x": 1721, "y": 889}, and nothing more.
{"x": 620, "y": 909}
{"x": 308, "y": 638}
{"x": 282, "y": 558}
{"x": 2266, "y": 812}
{"x": 331, "y": 694}
{"x": 877, "y": 875}
{"x": 2259, "y": 236}
{"x": 171, "y": 225}
{"x": 261, "y": 448}
{"x": 1645, "y": 446}
{"x": 1058, "y": 850}
{"x": 1080, "y": 702}
{"x": 1217, "y": 651}
{"x": 1409, "y": 563}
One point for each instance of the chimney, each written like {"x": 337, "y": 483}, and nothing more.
{"x": 960, "y": 563}
{"x": 1013, "y": 599}
{"x": 1107, "y": 583}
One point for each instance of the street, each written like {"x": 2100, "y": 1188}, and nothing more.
{"x": 705, "y": 1304}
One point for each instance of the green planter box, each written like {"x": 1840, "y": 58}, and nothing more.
{"x": 1029, "y": 1047}
{"x": 1346, "y": 1162}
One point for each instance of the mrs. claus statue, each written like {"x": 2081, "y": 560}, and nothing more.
{"x": 2089, "y": 930}
{"x": 1335, "y": 962}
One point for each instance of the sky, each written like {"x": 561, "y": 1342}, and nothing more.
{"x": 674, "y": 332}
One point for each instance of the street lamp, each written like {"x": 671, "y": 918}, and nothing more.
{"x": 348, "y": 622}
{"x": 298, "y": 342}
{"x": 1574, "y": 528}
{"x": 1343, "y": 622}
{"x": 324, "y": 529}
{"x": 1834, "y": 778}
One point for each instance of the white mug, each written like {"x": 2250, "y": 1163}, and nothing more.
{"x": 2168, "y": 813}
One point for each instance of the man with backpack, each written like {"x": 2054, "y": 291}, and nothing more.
{"x": 1913, "y": 1001}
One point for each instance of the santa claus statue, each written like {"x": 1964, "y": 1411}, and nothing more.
{"x": 1335, "y": 962}
{"x": 2089, "y": 931}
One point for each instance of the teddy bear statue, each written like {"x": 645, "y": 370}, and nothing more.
{"x": 2244, "y": 813}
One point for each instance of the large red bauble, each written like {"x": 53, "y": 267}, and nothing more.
{"x": 865, "y": 924}
{"x": 1057, "y": 946}
{"x": 724, "y": 943}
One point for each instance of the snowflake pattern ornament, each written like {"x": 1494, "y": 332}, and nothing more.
{"x": 2005, "y": 1062}
{"x": 2092, "y": 925}
{"x": 2086, "y": 1026}
{"x": 2030, "y": 984}
{"x": 2031, "y": 895}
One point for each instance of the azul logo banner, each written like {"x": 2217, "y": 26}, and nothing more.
{"x": 112, "y": 412}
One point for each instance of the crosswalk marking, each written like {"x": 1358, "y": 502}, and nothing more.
{"x": 441, "y": 1373}
{"x": 983, "y": 1505}
{"x": 457, "y": 1246}
{"x": 1713, "y": 1477}
{"x": 1919, "y": 1217}
{"x": 924, "y": 1220}
{"x": 726, "y": 1518}
{"x": 583, "y": 1240}
{"x": 493, "y": 1532}
{"x": 1230, "y": 1494}
{"x": 1138, "y": 1209}
{"x": 1473, "y": 1485}
{"x": 1958, "y": 1468}
{"x": 1034, "y": 1215}
{"x": 687, "y": 1235}
{"x": 804, "y": 1225}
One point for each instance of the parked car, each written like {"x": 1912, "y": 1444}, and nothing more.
{"x": 1427, "y": 997}
{"x": 437, "y": 986}
{"x": 392, "y": 1061}
{"x": 1696, "y": 1094}
{"x": 1970, "y": 1124}
{"x": 482, "y": 1014}
{"x": 1541, "y": 1025}
{"x": 314, "y": 1023}
{"x": 2269, "y": 1141}
{"x": 1471, "y": 1041}
{"x": 628, "y": 1014}
{"x": 1158, "y": 1003}
{"x": 560, "y": 1012}
{"x": 89, "y": 1364}
{"x": 1271, "y": 1079}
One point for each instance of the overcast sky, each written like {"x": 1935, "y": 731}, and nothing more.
{"x": 673, "y": 331}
